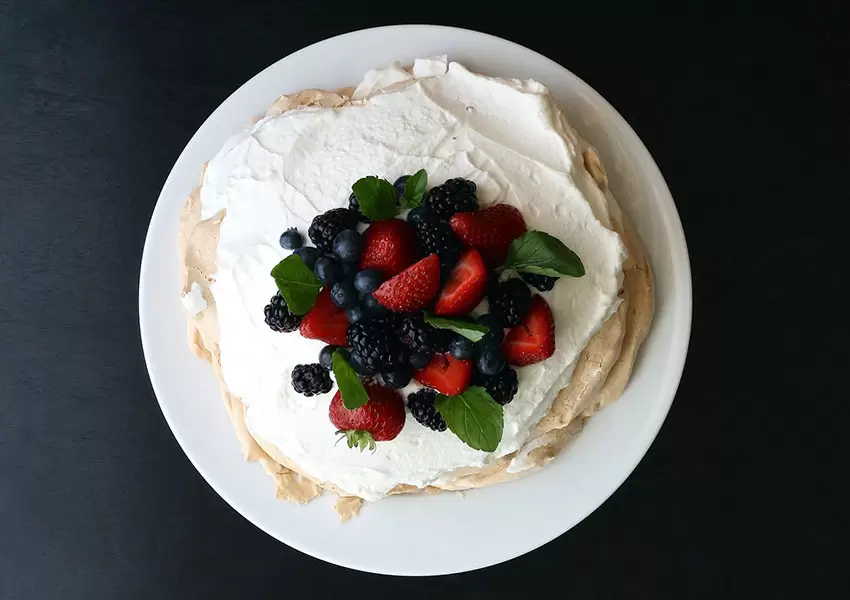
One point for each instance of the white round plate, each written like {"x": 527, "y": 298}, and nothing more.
{"x": 424, "y": 534}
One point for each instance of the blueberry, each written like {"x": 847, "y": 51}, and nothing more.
{"x": 326, "y": 357}
{"x": 398, "y": 378}
{"x": 291, "y": 239}
{"x": 309, "y": 255}
{"x": 357, "y": 313}
{"x": 348, "y": 244}
{"x": 349, "y": 270}
{"x": 327, "y": 270}
{"x": 371, "y": 304}
{"x": 460, "y": 348}
{"x": 367, "y": 281}
{"x": 420, "y": 360}
{"x": 496, "y": 333}
{"x": 490, "y": 360}
{"x": 421, "y": 214}
{"x": 359, "y": 365}
{"x": 343, "y": 294}
{"x": 399, "y": 184}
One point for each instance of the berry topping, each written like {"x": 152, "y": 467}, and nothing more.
{"x": 421, "y": 406}
{"x": 379, "y": 420}
{"x": 291, "y": 239}
{"x": 490, "y": 360}
{"x": 461, "y": 348}
{"x": 278, "y": 316}
{"x": 347, "y": 271}
{"x": 421, "y": 214}
{"x": 360, "y": 366}
{"x": 445, "y": 374}
{"x": 510, "y": 301}
{"x": 390, "y": 247}
{"x": 327, "y": 270}
{"x": 443, "y": 339}
{"x": 311, "y": 379}
{"x": 309, "y": 255}
{"x": 354, "y": 206}
{"x": 326, "y": 357}
{"x": 533, "y": 340}
{"x": 398, "y": 378}
{"x": 367, "y": 281}
{"x": 326, "y": 226}
{"x": 491, "y": 230}
{"x": 415, "y": 333}
{"x": 502, "y": 387}
{"x": 343, "y": 294}
{"x": 465, "y": 287}
{"x": 399, "y": 184}
{"x": 375, "y": 342}
{"x": 372, "y": 306}
{"x": 413, "y": 288}
{"x": 542, "y": 283}
{"x": 420, "y": 360}
{"x": 357, "y": 313}
{"x": 496, "y": 331}
{"x": 436, "y": 237}
{"x": 347, "y": 245}
{"x": 325, "y": 321}
{"x": 454, "y": 196}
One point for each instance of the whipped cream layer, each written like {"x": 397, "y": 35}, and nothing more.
{"x": 506, "y": 135}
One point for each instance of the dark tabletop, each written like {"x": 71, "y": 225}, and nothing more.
{"x": 745, "y": 113}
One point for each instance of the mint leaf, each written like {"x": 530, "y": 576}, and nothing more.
{"x": 376, "y": 197}
{"x": 414, "y": 189}
{"x": 474, "y": 417}
{"x": 471, "y": 331}
{"x": 296, "y": 283}
{"x": 350, "y": 387}
{"x": 542, "y": 254}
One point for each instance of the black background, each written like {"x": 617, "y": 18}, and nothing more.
{"x": 744, "y": 110}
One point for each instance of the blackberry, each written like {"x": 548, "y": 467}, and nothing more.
{"x": 375, "y": 342}
{"x": 326, "y": 226}
{"x": 502, "y": 387}
{"x": 510, "y": 300}
{"x": 421, "y": 406}
{"x": 454, "y": 196}
{"x": 415, "y": 333}
{"x": 311, "y": 379}
{"x": 278, "y": 316}
{"x": 438, "y": 238}
{"x": 543, "y": 283}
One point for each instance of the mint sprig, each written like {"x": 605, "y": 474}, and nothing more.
{"x": 414, "y": 189}
{"x": 353, "y": 393}
{"x": 474, "y": 417}
{"x": 542, "y": 254}
{"x": 297, "y": 284}
{"x": 471, "y": 331}
{"x": 376, "y": 197}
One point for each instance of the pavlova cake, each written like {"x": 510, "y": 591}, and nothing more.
{"x": 418, "y": 284}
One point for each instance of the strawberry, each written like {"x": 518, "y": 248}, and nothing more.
{"x": 413, "y": 288}
{"x": 379, "y": 420}
{"x": 465, "y": 286}
{"x": 533, "y": 340}
{"x": 389, "y": 246}
{"x": 446, "y": 374}
{"x": 325, "y": 321}
{"x": 491, "y": 230}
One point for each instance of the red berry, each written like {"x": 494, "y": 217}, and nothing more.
{"x": 325, "y": 321}
{"x": 533, "y": 340}
{"x": 379, "y": 420}
{"x": 491, "y": 230}
{"x": 446, "y": 374}
{"x": 413, "y": 288}
{"x": 389, "y": 246}
{"x": 465, "y": 286}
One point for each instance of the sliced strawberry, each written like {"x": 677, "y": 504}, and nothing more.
{"x": 325, "y": 321}
{"x": 533, "y": 340}
{"x": 465, "y": 286}
{"x": 446, "y": 374}
{"x": 389, "y": 246}
{"x": 413, "y": 288}
{"x": 491, "y": 230}
{"x": 379, "y": 420}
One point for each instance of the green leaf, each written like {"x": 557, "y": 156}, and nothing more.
{"x": 542, "y": 254}
{"x": 350, "y": 387}
{"x": 414, "y": 189}
{"x": 474, "y": 417}
{"x": 471, "y": 331}
{"x": 296, "y": 283}
{"x": 376, "y": 197}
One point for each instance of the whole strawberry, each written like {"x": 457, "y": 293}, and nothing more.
{"x": 491, "y": 230}
{"x": 379, "y": 420}
{"x": 390, "y": 247}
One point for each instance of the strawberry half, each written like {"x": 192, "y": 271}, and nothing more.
{"x": 491, "y": 230}
{"x": 413, "y": 288}
{"x": 465, "y": 286}
{"x": 325, "y": 321}
{"x": 446, "y": 374}
{"x": 389, "y": 246}
{"x": 379, "y": 420}
{"x": 533, "y": 340}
